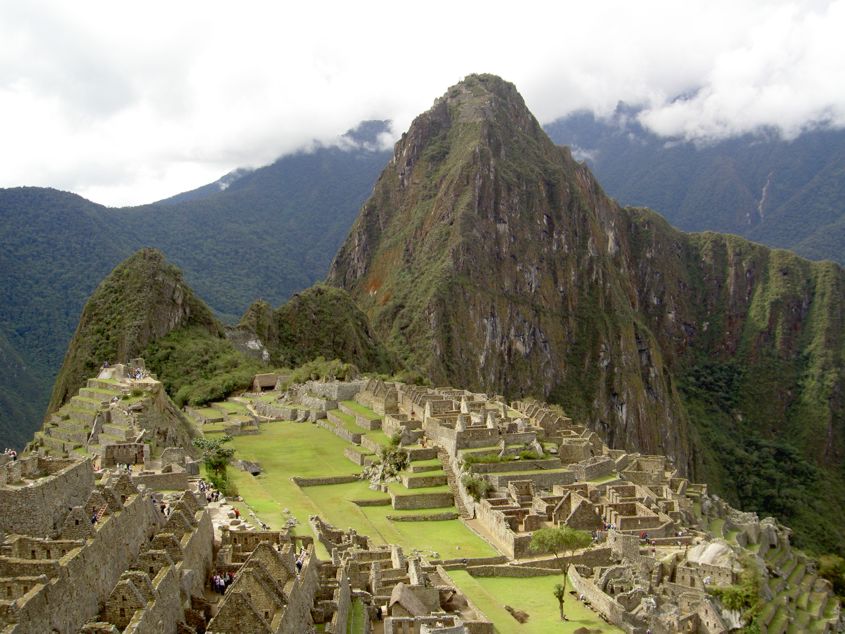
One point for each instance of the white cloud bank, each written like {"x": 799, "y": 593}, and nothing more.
{"x": 127, "y": 103}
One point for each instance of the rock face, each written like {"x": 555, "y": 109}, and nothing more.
{"x": 488, "y": 257}
{"x": 142, "y": 300}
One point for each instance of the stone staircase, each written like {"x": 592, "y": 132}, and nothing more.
{"x": 452, "y": 482}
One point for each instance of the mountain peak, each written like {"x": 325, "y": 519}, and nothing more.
{"x": 484, "y": 105}
{"x": 141, "y": 300}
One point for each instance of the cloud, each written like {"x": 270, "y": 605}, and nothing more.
{"x": 126, "y": 103}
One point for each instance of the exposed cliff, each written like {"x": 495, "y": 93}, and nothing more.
{"x": 488, "y": 257}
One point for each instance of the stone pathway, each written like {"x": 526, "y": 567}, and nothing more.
{"x": 452, "y": 482}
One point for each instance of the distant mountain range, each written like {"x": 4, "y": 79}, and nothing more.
{"x": 784, "y": 193}
{"x": 268, "y": 232}
{"x": 262, "y": 233}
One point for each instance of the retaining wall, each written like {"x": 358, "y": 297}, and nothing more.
{"x": 421, "y": 501}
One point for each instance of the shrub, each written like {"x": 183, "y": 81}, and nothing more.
{"x": 476, "y": 487}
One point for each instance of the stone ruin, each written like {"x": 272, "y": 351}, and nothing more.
{"x": 652, "y": 562}
{"x": 80, "y": 551}
{"x": 92, "y": 551}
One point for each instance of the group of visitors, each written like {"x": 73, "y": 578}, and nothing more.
{"x": 11, "y": 453}
{"x": 211, "y": 494}
{"x": 221, "y": 581}
{"x": 599, "y": 536}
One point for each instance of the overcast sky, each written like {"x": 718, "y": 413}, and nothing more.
{"x": 130, "y": 102}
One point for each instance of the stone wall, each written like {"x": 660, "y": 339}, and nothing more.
{"x": 123, "y": 453}
{"x": 335, "y": 426}
{"x": 593, "y": 468}
{"x": 162, "y": 614}
{"x": 335, "y": 390}
{"x": 40, "y": 509}
{"x": 413, "y": 481}
{"x": 301, "y": 596}
{"x": 545, "y": 480}
{"x": 358, "y": 455}
{"x": 86, "y": 579}
{"x": 515, "y": 465}
{"x": 315, "y": 482}
{"x": 162, "y": 481}
{"x": 197, "y": 547}
{"x": 343, "y": 600}
{"x": 606, "y": 605}
{"x": 433, "y": 517}
{"x": 422, "y": 501}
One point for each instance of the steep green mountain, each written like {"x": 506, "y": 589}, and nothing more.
{"x": 267, "y": 232}
{"x": 270, "y": 233}
{"x": 142, "y": 300}
{"x": 319, "y": 321}
{"x": 782, "y": 193}
{"x": 20, "y": 398}
{"x": 488, "y": 257}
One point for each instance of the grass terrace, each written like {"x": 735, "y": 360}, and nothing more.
{"x": 533, "y": 595}
{"x": 360, "y": 409}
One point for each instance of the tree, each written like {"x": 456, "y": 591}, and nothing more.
{"x": 559, "y": 593}
{"x": 559, "y": 540}
{"x": 215, "y": 456}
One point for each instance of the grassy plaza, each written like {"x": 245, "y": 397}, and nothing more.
{"x": 286, "y": 449}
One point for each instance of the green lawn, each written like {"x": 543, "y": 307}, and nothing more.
{"x": 716, "y": 527}
{"x": 377, "y": 435}
{"x": 355, "y": 624}
{"x": 398, "y": 488}
{"x": 208, "y": 412}
{"x": 301, "y": 449}
{"x": 232, "y": 407}
{"x": 532, "y": 595}
{"x": 432, "y": 462}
